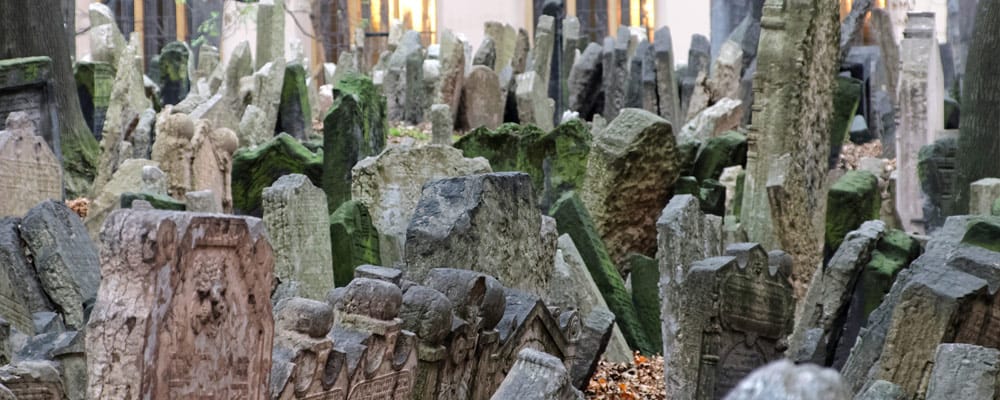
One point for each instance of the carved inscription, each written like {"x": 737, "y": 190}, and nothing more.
{"x": 755, "y": 305}
{"x": 389, "y": 386}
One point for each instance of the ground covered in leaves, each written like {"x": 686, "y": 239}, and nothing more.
{"x": 640, "y": 379}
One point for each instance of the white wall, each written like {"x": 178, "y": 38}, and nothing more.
{"x": 685, "y": 18}
{"x": 468, "y": 16}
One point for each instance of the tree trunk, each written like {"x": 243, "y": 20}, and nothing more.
{"x": 35, "y": 28}
{"x": 979, "y": 142}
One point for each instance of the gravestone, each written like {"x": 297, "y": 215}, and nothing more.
{"x": 614, "y": 67}
{"x": 724, "y": 81}
{"x": 171, "y": 150}
{"x": 198, "y": 322}
{"x": 354, "y": 240}
{"x": 585, "y": 84}
{"x": 29, "y": 171}
{"x": 921, "y": 114}
{"x": 267, "y": 96}
{"x": 692, "y": 80}
{"x": 298, "y": 226}
{"x": 130, "y": 177}
{"x": 449, "y": 86}
{"x": 20, "y": 269}
{"x": 212, "y": 163}
{"x": 937, "y": 168}
{"x": 785, "y": 380}
{"x": 964, "y": 371}
{"x": 631, "y": 167}
{"x": 480, "y": 104}
{"x": 745, "y": 311}
{"x": 983, "y": 193}
{"x": 294, "y": 112}
{"x": 354, "y": 128}
{"x": 666, "y": 82}
{"x": 724, "y": 115}
{"x": 94, "y": 81}
{"x": 572, "y": 41}
{"x": 852, "y": 200}
{"x": 442, "y": 124}
{"x": 785, "y": 187}
{"x": 65, "y": 258}
{"x": 718, "y": 153}
{"x": 389, "y": 185}
{"x": 226, "y": 107}
{"x": 26, "y": 86}
{"x": 106, "y": 40}
{"x": 174, "y": 75}
{"x": 32, "y": 380}
{"x": 455, "y": 221}
{"x": 257, "y": 168}
{"x": 270, "y": 31}
{"x": 533, "y": 103}
{"x": 540, "y": 57}
{"x": 537, "y": 375}
{"x": 486, "y": 54}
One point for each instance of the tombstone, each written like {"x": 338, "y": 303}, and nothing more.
{"x": 724, "y": 115}
{"x": 977, "y": 367}
{"x": 128, "y": 102}
{"x": 26, "y": 86}
{"x": 294, "y": 112}
{"x": 693, "y": 94}
{"x": 983, "y": 193}
{"x": 354, "y": 240}
{"x": 65, "y": 258}
{"x": 270, "y": 31}
{"x": 724, "y": 81}
{"x": 882, "y": 390}
{"x": 852, "y": 200}
{"x": 883, "y": 31}
{"x": 519, "y": 62}
{"x": 226, "y": 107}
{"x": 746, "y": 310}
{"x": 130, "y": 177}
{"x": 257, "y": 168}
{"x": 726, "y": 16}
{"x": 205, "y": 318}
{"x": 614, "y": 66}
{"x": 449, "y": 87}
{"x": 480, "y": 104}
{"x": 31, "y": 380}
{"x": 298, "y": 224}
{"x": 486, "y": 54}
{"x": 533, "y": 103}
{"x": 540, "y": 57}
{"x": 666, "y": 82}
{"x": 537, "y": 375}
{"x": 450, "y": 230}
{"x": 269, "y": 82}
{"x": 208, "y": 62}
{"x": 937, "y": 166}
{"x": 633, "y": 86}
{"x": 625, "y": 202}
{"x": 106, "y": 40}
{"x": 785, "y": 380}
{"x": 400, "y": 78}
{"x": 389, "y": 185}
{"x": 30, "y": 296}
{"x": 572, "y": 41}
{"x": 300, "y": 346}
{"x": 442, "y": 124}
{"x": 174, "y": 75}
{"x": 353, "y": 129}
{"x": 921, "y": 114}
{"x": 789, "y": 138}
{"x": 585, "y": 83}
{"x": 212, "y": 163}
{"x": 93, "y": 85}
{"x": 718, "y": 153}
{"x": 31, "y": 173}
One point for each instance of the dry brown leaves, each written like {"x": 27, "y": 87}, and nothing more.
{"x": 851, "y": 154}
{"x": 79, "y": 206}
{"x": 641, "y": 379}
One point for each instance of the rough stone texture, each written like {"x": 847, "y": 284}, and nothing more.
{"x": 793, "y": 88}
{"x": 533, "y": 103}
{"x": 573, "y": 219}
{"x": 442, "y": 124}
{"x": 486, "y": 223}
{"x": 257, "y": 168}
{"x": 937, "y": 169}
{"x": 630, "y": 169}
{"x": 783, "y": 380}
{"x": 65, "y": 258}
{"x": 614, "y": 60}
{"x": 883, "y": 31}
{"x": 964, "y": 371}
{"x": 852, "y": 200}
{"x": 983, "y": 194}
{"x": 225, "y": 108}
{"x": 824, "y": 310}
{"x": 20, "y": 270}
{"x": 846, "y": 99}
{"x": 294, "y": 112}
{"x": 882, "y": 390}
{"x": 389, "y": 185}
{"x": 540, "y": 57}
{"x": 720, "y": 153}
{"x": 298, "y": 226}
{"x": 449, "y": 86}
{"x": 354, "y": 240}
{"x": 128, "y": 178}
{"x": 537, "y": 376}
{"x": 486, "y": 54}
{"x": 739, "y": 295}
{"x": 29, "y": 171}
{"x": 174, "y": 75}
{"x": 585, "y": 83}
{"x": 94, "y": 81}
{"x": 268, "y": 91}
{"x": 354, "y": 128}
{"x": 724, "y": 115}
{"x": 644, "y": 278}
{"x": 270, "y": 31}
{"x": 212, "y": 163}
{"x": 724, "y": 81}
{"x": 694, "y": 95}
{"x": 666, "y": 81}
{"x": 172, "y": 151}
{"x": 921, "y": 113}
{"x": 32, "y": 380}
{"x": 198, "y": 322}
{"x": 480, "y": 104}
{"x": 572, "y": 287}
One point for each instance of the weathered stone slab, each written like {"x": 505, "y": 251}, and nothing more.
{"x": 964, "y": 371}
{"x": 270, "y": 31}
{"x": 882, "y": 390}
{"x": 294, "y": 112}
{"x": 94, "y": 81}
{"x": 537, "y": 375}
{"x": 198, "y": 322}
{"x": 852, "y": 200}
{"x": 614, "y": 60}
{"x": 585, "y": 83}
{"x": 983, "y": 193}
{"x": 175, "y": 79}
{"x": 298, "y": 226}
{"x": 724, "y": 81}
{"x": 29, "y": 171}
{"x": 533, "y": 103}
{"x": 21, "y": 273}
{"x": 442, "y": 124}
{"x": 354, "y": 128}
{"x": 724, "y": 115}
{"x": 480, "y": 104}
{"x": 65, "y": 258}
{"x": 355, "y": 241}
{"x": 784, "y": 380}
{"x": 389, "y": 185}
{"x": 630, "y": 169}
{"x": 449, "y": 86}
{"x": 257, "y": 168}
{"x": 719, "y": 153}
{"x": 455, "y": 223}
{"x": 666, "y": 81}
{"x": 937, "y": 169}
{"x": 172, "y": 151}
{"x": 32, "y": 380}
{"x": 131, "y": 176}
{"x": 212, "y": 163}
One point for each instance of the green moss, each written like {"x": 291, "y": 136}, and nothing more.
{"x": 573, "y": 219}
{"x": 174, "y": 62}
{"x": 295, "y": 98}
{"x": 893, "y": 253}
{"x": 687, "y": 154}
{"x": 712, "y": 195}
{"x": 852, "y": 200}
{"x": 354, "y": 241}
{"x": 995, "y": 210}
{"x": 846, "y": 98}
{"x": 158, "y": 201}
{"x": 687, "y": 185}
{"x": 257, "y": 168}
{"x": 985, "y": 234}
{"x": 726, "y": 150}
{"x": 22, "y": 70}
{"x": 645, "y": 278}
{"x": 354, "y": 128}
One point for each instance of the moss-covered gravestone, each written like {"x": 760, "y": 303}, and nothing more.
{"x": 354, "y": 240}
{"x": 257, "y": 168}
{"x": 846, "y": 97}
{"x": 727, "y": 150}
{"x": 504, "y": 147}
{"x": 93, "y": 84}
{"x": 852, "y": 200}
{"x": 294, "y": 112}
{"x": 354, "y": 128}
{"x": 573, "y": 219}
{"x": 645, "y": 278}
{"x": 173, "y": 79}
{"x": 894, "y": 252}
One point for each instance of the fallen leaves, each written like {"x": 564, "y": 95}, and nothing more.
{"x": 640, "y": 379}
{"x": 80, "y": 206}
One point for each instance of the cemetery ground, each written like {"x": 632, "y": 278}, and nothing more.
{"x": 804, "y": 206}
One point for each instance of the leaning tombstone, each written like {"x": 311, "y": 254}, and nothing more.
{"x": 294, "y": 112}
{"x": 354, "y": 128}
{"x": 535, "y": 376}
{"x": 198, "y": 322}
{"x": 29, "y": 171}
{"x": 354, "y": 240}
{"x": 297, "y": 221}
{"x": 257, "y": 168}
{"x": 174, "y": 75}
{"x": 93, "y": 84}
